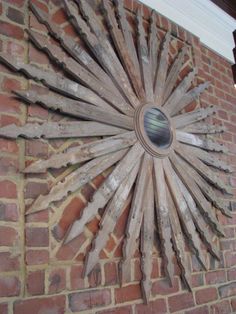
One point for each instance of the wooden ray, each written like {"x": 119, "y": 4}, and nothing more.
{"x": 202, "y": 128}
{"x": 178, "y": 239}
{"x": 194, "y": 190}
{"x": 74, "y": 48}
{"x": 184, "y": 214}
{"x": 211, "y": 159}
{"x": 202, "y": 169}
{"x": 199, "y": 222}
{"x": 106, "y": 190}
{"x": 110, "y": 217}
{"x": 100, "y": 46}
{"x": 76, "y": 109}
{"x": 147, "y": 241}
{"x": 186, "y": 119}
{"x": 83, "y": 153}
{"x": 56, "y": 82}
{"x": 206, "y": 144}
{"x": 163, "y": 220}
{"x": 153, "y": 44}
{"x": 144, "y": 62}
{"x": 76, "y": 180}
{"x": 127, "y": 32}
{"x": 59, "y": 130}
{"x": 207, "y": 190}
{"x": 162, "y": 70}
{"x": 122, "y": 50}
{"x": 79, "y": 73}
{"x": 175, "y": 98}
{"x": 174, "y": 73}
{"x": 189, "y": 97}
{"x": 139, "y": 203}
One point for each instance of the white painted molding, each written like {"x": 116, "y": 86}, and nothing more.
{"x": 204, "y": 19}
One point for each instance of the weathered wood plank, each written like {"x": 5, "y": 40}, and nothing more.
{"x": 186, "y": 119}
{"x": 202, "y": 169}
{"x": 114, "y": 209}
{"x": 174, "y": 73}
{"x": 153, "y": 45}
{"x": 106, "y": 190}
{"x": 163, "y": 220}
{"x": 206, "y": 144}
{"x": 200, "y": 200}
{"x": 59, "y": 130}
{"x": 122, "y": 50}
{"x": 202, "y": 128}
{"x": 76, "y": 180}
{"x": 162, "y": 70}
{"x": 144, "y": 61}
{"x": 75, "y": 108}
{"x": 83, "y": 152}
{"x": 135, "y": 217}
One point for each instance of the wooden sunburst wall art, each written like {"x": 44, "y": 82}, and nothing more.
{"x": 127, "y": 90}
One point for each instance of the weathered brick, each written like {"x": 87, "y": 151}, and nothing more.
{"x": 35, "y": 282}
{"x": 37, "y": 237}
{"x": 8, "y": 189}
{"x": 227, "y": 290}
{"x": 163, "y": 287}
{"x": 88, "y": 300}
{"x": 153, "y": 307}
{"x": 55, "y": 305}
{"x": 206, "y": 295}
{"x": 36, "y": 148}
{"x": 95, "y": 277}
{"x": 127, "y": 293}
{"x": 221, "y": 307}
{"x": 37, "y": 257}
{"x": 18, "y": 3}
{"x": 4, "y": 308}
{"x": 8, "y": 262}
{"x": 15, "y": 15}
{"x": 10, "y": 84}
{"x": 117, "y": 310}
{"x": 215, "y": 277}
{"x": 57, "y": 281}
{"x": 8, "y": 236}
{"x": 9, "y": 212}
{"x": 198, "y": 310}
{"x": 180, "y": 302}
{"x": 111, "y": 276}
{"x": 231, "y": 274}
{"x": 76, "y": 277}
{"x": 34, "y": 189}
{"x": 9, "y": 286}
{"x": 11, "y": 30}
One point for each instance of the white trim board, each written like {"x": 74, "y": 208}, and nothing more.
{"x": 204, "y": 19}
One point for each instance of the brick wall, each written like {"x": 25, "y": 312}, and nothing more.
{"x": 37, "y": 275}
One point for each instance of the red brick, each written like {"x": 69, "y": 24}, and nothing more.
{"x": 10, "y": 84}
{"x": 59, "y": 16}
{"x": 9, "y": 104}
{"x": 180, "y": 302}
{"x": 0, "y": 8}
{"x": 8, "y": 236}
{"x": 18, "y": 3}
{"x": 197, "y": 280}
{"x": 163, "y": 287}
{"x": 8, "y": 189}
{"x": 35, "y": 282}
{"x": 206, "y": 295}
{"x": 55, "y": 305}
{"x": 5, "y": 120}
{"x": 128, "y": 293}
{"x": 34, "y": 189}
{"x": 95, "y": 277}
{"x": 36, "y": 148}
{"x": 111, "y": 276}
{"x": 37, "y": 237}
{"x": 11, "y": 30}
{"x": 221, "y": 308}
{"x": 8, "y": 165}
{"x": 8, "y": 262}
{"x": 3, "y": 308}
{"x": 41, "y": 5}
{"x": 88, "y": 300}
{"x": 15, "y": 49}
{"x": 15, "y": 15}
{"x": 117, "y": 310}
{"x": 69, "y": 250}
{"x": 9, "y": 286}
{"x": 227, "y": 290}
{"x": 38, "y": 112}
{"x": 215, "y": 277}
{"x": 9, "y": 212}
{"x": 37, "y": 56}
{"x": 231, "y": 274}
{"x": 153, "y": 307}
{"x": 199, "y": 310}
{"x": 8, "y": 146}
{"x": 57, "y": 281}
{"x": 76, "y": 278}
{"x": 37, "y": 257}
{"x": 233, "y": 304}
{"x": 41, "y": 216}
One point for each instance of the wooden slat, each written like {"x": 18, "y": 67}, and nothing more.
{"x": 78, "y": 72}
{"x": 189, "y": 97}
{"x": 184, "y": 214}
{"x": 122, "y": 50}
{"x": 162, "y": 70}
{"x": 59, "y": 130}
{"x": 175, "y": 98}
{"x": 200, "y": 223}
{"x": 211, "y": 159}
{"x": 100, "y": 47}
{"x": 202, "y": 128}
{"x": 206, "y": 144}
{"x": 127, "y": 32}
{"x": 163, "y": 221}
{"x": 186, "y": 119}
{"x": 76, "y": 180}
{"x": 75, "y": 108}
{"x": 110, "y": 217}
{"x": 202, "y": 169}
{"x": 202, "y": 203}
{"x": 144, "y": 62}
{"x": 174, "y": 73}
{"x": 83, "y": 153}
{"x": 147, "y": 239}
{"x": 106, "y": 190}
{"x": 56, "y": 82}
{"x": 135, "y": 217}
{"x": 153, "y": 44}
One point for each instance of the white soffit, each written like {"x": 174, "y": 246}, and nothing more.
{"x": 204, "y": 19}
